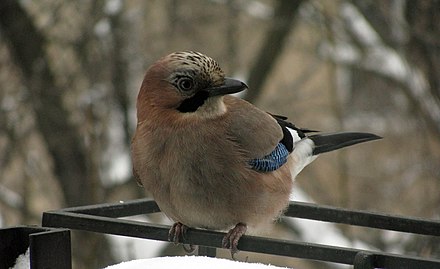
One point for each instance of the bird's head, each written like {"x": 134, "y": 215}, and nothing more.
{"x": 187, "y": 82}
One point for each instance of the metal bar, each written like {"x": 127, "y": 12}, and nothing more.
{"x": 207, "y": 251}
{"x": 118, "y": 210}
{"x": 363, "y": 218}
{"x": 13, "y": 242}
{"x": 364, "y": 260}
{"x": 197, "y": 237}
{"x": 247, "y": 243}
{"x": 106, "y": 225}
{"x": 295, "y": 209}
{"x": 50, "y": 249}
{"x": 103, "y": 219}
{"x": 387, "y": 260}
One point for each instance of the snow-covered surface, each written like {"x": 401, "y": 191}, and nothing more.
{"x": 192, "y": 262}
{"x": 22, "y": 261}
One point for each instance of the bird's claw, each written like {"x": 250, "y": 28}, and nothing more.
{"x": 231, "y": 239}
{"x": 176, "y": 233}
{"x": 189, "y": 248}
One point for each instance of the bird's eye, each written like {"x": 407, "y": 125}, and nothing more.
{"x": 185, "y": 84}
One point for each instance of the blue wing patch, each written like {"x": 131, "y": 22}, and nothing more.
{"x": 272, "y": 161}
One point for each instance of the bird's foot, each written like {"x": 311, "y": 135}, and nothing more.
{"x": 176, "y": 233}
{"x": 231, "y": 239}
{"x": 189, "y": 248}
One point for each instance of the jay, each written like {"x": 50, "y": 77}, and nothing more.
{"x": 212, "y": 160}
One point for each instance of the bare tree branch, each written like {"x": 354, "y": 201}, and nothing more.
{"x": 391, "y": 64}
{"x": 27, "y": 45}
{"x": 272, "y": 47}
{"x": 120, "y": 69}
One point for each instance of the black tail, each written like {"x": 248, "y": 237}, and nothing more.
{"x": 328, "y": 142}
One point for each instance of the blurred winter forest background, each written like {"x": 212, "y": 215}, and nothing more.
{"x": 70, "y": 72}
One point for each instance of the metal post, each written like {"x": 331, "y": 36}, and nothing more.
{"x": 364, "y": 260}
{"x": 50, "y": 249}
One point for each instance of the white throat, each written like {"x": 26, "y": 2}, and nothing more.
{"x": 213, "y": 107}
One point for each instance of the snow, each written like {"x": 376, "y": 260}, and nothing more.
{"x": 113, "y": 7}
{"x": 258, "y": 9}
{"x": 255, "y": 9}
{"x": 102, "y": 27}
{"x": 343, "y": 52}
{"x": 116, "y": 160}
{"x": 192, "y": 262}
{"x": 359, "y": 25}
{"x": 10, "y": 197}
{"x": 387, "y": 61}
{"x": 22, "y": 261}
{"x": 119, "y": 169}
{"x": 379, "y": 58}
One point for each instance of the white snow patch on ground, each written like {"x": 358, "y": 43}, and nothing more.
{"x": 192, "y": 262}
{"x": 22, "y": 261}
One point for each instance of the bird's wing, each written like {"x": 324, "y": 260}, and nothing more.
{"x": 255, "y": 132}
{"x": 278, "y": 157}
{"x": 291, "y": 133}
{"x": 266, "y": 139}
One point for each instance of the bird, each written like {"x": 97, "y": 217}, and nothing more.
{"x": 214, "y": 161}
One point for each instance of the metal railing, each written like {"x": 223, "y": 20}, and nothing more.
{"x": 48, "y": 248}
{"x": 105, "y": 218}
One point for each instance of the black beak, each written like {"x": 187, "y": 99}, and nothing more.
{"x": 230, "y": 86}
